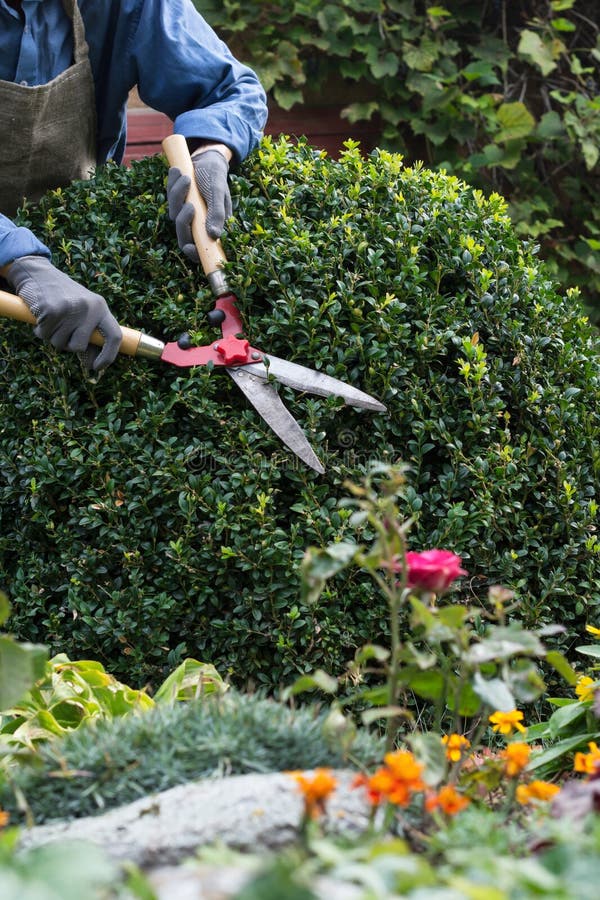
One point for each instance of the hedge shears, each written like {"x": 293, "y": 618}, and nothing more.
{"x": 252, "y": 369}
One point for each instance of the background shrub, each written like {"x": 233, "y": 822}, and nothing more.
{"x": 502, "y": 94}
{"x": 152, "y": 515}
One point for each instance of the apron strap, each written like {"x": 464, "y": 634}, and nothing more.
{"x": 80, "y": 47}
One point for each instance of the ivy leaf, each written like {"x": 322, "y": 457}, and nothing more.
{"x": 388, "y": 64}
{"x": 562, "y": 24}
{"x": 422, "y": 57}
{"x": 515, "y": 121}
{"x": 550, "y": 126}
{"x": 481, "y": 71}
{"x": 533, "y": 48}
{"x": 591, "y": 153}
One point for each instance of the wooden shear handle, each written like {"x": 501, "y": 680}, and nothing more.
{"x": 209, "y": 250}
{"x": 133, "y": 343}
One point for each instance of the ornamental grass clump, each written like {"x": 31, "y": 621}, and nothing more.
{"x": 152, "y": 516}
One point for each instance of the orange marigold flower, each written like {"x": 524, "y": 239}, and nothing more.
{"x": 585, "y": 688}
{"x": 447, "y": 799}
{"x": 536, "y": 790}
{"x": 456, "y": 744}
{"x": 396, "y": 781}
{"x": 588, "y": 763}
{"x": 4, "y": 817}
{"x": 403, "y": 765}
{"x": 515, "y": 756}
{"x": 375, "y": 797}
{"x": 315, "y": 789}
{"x": 506, "y": 722}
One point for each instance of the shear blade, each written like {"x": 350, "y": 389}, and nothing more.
{"x": 268, "y": 403}
{"x": 303, "y": 379}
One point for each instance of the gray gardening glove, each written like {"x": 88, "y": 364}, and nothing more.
{"x": 211, "y": 170}
{"x": 66, "y": 312}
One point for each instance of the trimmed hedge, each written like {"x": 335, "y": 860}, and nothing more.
{"x": 152, "y": 516}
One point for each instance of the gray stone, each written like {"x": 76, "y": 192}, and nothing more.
{"x": 245, "y": 812}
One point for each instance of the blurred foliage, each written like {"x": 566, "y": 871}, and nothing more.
{"x": 503, "y": 94}
{"x": 152, "y": 515}
{"x": 111, "y": 762}
{"x": 67, "y": 694}
{"x": 21, "y": 665}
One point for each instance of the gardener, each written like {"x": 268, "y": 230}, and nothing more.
{"x": 67, "y": 69}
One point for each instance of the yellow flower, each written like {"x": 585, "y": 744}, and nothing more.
{"x": 585, "y": 688}
{"x": 315, "y": 790}
{"x": 456, "y": 744}
{"x": 588, "y": 763}
{"x": 4, "y": 817}
{"x": 515, "y": 756}
{"x": 592, "y": 630}
{"x": 506, "y": 722}
{"x": 536, "y": 790}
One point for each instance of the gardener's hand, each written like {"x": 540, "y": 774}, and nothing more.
{"x": 66, "y": 312}
{"x": 211, "y": 166}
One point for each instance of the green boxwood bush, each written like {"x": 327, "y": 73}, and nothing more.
{"x": 153, "y": 516}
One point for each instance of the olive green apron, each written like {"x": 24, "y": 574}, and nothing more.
{"x": 48, "y": 131}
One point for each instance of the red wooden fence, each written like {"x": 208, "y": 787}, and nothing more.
{"x": 323, "y": 127}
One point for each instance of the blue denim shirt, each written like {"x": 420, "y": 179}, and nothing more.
{"x": 178, "y": 63}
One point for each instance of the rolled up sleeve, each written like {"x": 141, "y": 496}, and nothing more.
{"x": 187, "y": 72}
{"x": 16, "y": 241}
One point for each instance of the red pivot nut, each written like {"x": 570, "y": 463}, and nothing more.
{"x": 233, "y": 349}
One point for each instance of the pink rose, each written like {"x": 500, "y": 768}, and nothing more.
{"x": 433, "y": 570}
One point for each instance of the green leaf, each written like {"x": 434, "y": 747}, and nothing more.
{"x": 428, "y": 684}
{"x": 430, "y": 751}
{"x": 494, "y": 693}
{"x": 562, "y": 24}
{"x": 591, "y": 152}
{"x": 320, "y": 565}
{"x": 386, "y": 65}
{"x": 565, "y": 716}
{"x": 562, "y": 666}
{"x": 319, "y": 680}
{"x": 69, "y": 870}
{"x": 550, "y": 126}
{"x": 515, "y": 121}
{"x": 4, "y": 608}
{"x": 467, "y": 703}
{"x": 190, "y": 680}
{"x": 481, "y": 71}
{"x": 371, "y": 651}
{"x": 534, "y": 49}
{"x": 589, "y": 650}
{"x": 384, "y": 712}
{"x": 21, "y": 665}
{"x": 502, "y": 643}
{"x": 543, "y": 758}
